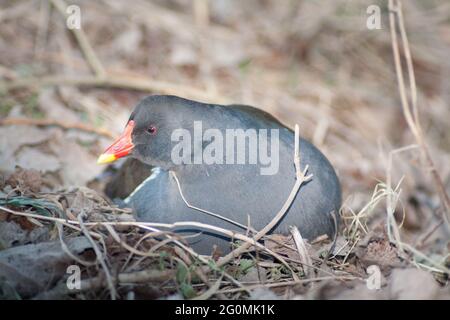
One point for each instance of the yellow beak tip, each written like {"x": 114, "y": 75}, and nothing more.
{"x": 106, "y": 158}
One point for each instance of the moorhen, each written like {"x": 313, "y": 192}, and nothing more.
{"x": 169, "y": 133}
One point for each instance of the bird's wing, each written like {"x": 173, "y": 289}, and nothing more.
{"x": 264, "y": 117}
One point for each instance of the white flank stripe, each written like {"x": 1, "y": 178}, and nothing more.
{"x": 155, "y": 172}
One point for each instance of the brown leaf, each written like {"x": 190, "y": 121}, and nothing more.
{"x": 381, "y": 253}
{"x": 25, "y": 180}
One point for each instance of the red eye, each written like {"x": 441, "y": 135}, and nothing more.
{"x": 152, "y": 130}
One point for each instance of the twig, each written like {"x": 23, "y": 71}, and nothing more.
{"x": 215, "y": 229}
{"x": 143, "y": 276}
{"x": 421, "y": 241}
{"x": 116, "y": 237}
{"x": 59, "y": 226}
{"x": 147, "y": 225}
{"x": 196, "y": 255}
{"x": 152, "y": 250}
{"x": 174, "y": 175}
{"x": 413, "y": 123}
{"x": 68, "y": 223}
{"x": 441, "y": 267}
{"x": 114, "y": 81}
{"x": 300, "y": 179}
{"x": 333, "y": 245}
{"x": 214, "y": 289}
{"x": 350, "y": 251}
{"x": 83, "y": 42}
{"x": 301, "y": 248}
{"x": 392, "y": 197}
{"x": 199, "y": 272}
{"x": 248, "y": 228}
{"x": 290, "y": 283}
{"x": 100, "y": 258}
{"x": 57, "y": 123}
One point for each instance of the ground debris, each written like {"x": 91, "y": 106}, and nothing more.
{"x": 413, "y": 284}
{"x": 30, "y": 269}
{"x": 25, "y": 180}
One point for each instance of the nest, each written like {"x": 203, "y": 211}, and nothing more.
{"x": 119, "y": 257}
{"x": 89, "y": 248}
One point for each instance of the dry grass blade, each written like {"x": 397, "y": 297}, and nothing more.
{"x": 211, "y": 291}
{"x": 217, "y": 230}
{"x": 100, "y": 258}
{"x": 67, "y": 223}
{"x": 412, "y": 118}
{"x": 218, "y": 216}
{"x": 99, "y": 282}
{"x": 57, "y": 123}
{"x": 291, "y": 283}
{"x": 67, "y": 250}
{"x": 302, "y": 250}
{"x": 192, "y": 253}
{"x": 86, "y": 48}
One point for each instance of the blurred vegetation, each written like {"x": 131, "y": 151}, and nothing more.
{"x": 309, "y": 62}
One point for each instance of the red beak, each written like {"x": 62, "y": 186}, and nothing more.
{"x": 120, "y": 148}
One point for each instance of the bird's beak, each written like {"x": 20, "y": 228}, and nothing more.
{"x": 120, "y": 148}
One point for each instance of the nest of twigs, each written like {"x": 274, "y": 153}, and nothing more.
{"x": 120, "y": 257}
{"x": 83, "y": 237}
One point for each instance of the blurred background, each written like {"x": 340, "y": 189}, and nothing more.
{"x": 65, "y": 94}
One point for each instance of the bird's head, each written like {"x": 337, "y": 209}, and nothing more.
{"x": 147, "y": 134}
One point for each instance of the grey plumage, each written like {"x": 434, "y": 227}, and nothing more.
{"x": 236, "y": 191}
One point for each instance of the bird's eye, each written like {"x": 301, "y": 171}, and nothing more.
{"x": 152, "y": 130}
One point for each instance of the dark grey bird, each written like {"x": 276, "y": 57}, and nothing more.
{"x": 239, "y": 189}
